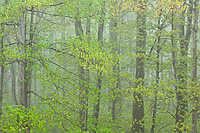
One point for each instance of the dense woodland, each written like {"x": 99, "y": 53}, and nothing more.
{"x": 101, "y": 66}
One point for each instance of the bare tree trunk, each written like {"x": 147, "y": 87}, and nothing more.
{"x": 113, "y": 38}
{"x": 13, "y": 78}
{"x": 138, "y": 103}
{"x": 28, "y": 64}
{"x": 21, "y": 39}
{"x": 195, "y": 99}
{"x": 12, "y": 69}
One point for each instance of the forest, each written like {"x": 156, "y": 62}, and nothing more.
{"x": 99, "y": 66}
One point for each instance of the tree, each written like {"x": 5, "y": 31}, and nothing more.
{"x": 21, "y": 68}
{"x": 99, "y": 72}
{"x": 113, "y": 40}
{"x": 2, "y": 72}
{"x": 87, "y": 55}
{"x": 195, "y": 92}
{"x": 138, "y": 103}
{"x": 181, "y": 90}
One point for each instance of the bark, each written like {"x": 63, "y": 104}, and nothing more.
{"x": 12, "y": 69}
{"x": 28, "y": 64}
{"x": 195, "y": 99}
{"x": 138, "y": 103}
{"x": 27, "y": 83}
{"x": 2, "y": 74}
{"x": 113, "y": 38}
{"x": 157, "y": 77}
{"x": 83, "y": 111}
{"x": 35, "y": 88}
{"x": 118, "y": 86}
{"x": 13, "y": 79}
{"x": 21, "y": 41}
{"x": 181, "y": 91}
{"x": 86, "y": 78}
{"x": 99, "y": 72}
{"x": 97, "y": 105}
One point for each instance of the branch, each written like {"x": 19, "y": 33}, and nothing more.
{"x": 56, "y": 15}
{"x": 9, "y": 23}
{"x": 63, "y": 68}
{"x": 46, "y": 99}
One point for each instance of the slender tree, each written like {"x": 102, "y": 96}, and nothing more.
{"x": 195, "y": 92}
{"x": 82, "y": 79}
{"x": 158, "y": 49}
{"x": 99, "y": 72}
{"x": 113, "y": 38}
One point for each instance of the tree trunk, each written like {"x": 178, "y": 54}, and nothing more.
{"x": 157, "y": 77}
{"x": 28, "y": 64}
{"x": 99, "y": 72}
{"x": 138, "y": 103}
{"x": 195, "y": 99}
{"x": 12, "y": 69}
{"x": 21, "y": 39}
{"x": 2, "y": 73}
{"x": 83, "y": 111}
{"x": 113, "y": 38}
{"x": 181, "y": 91}
{"x": 13, "y": 79}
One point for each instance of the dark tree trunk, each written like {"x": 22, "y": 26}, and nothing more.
{"x": 157, "y": 81}
{"x": 195, "y": 99}
{"x": 83, "y": 111}
{"x": 113, "y": 39}
{"x": 138, "y": 103}
{"x": 181, "y": 91}
{"x": 99, "y": 72}
{"x": 28, "y": 64}
{"x": 157, "y": 75}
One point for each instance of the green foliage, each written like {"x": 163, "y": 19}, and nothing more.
{"x": 18, "y": 119}
{"x": 67, "y": 68}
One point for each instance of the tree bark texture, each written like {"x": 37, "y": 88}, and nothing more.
{"x": 99, "y": 72}
{"x": 83, "y": 111}
{"x": 157, "y": 77}
{"x": 13, "y": 75}
{"x": 138, "y": 102}
{"x": 113, "y": 39}
{"x": 195, "y": 99}
{"x": 181, "y": 91}
{"x": 21, "y": 68}
{"x": 2, "y": 73}
{"x": 13, "y": 78}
